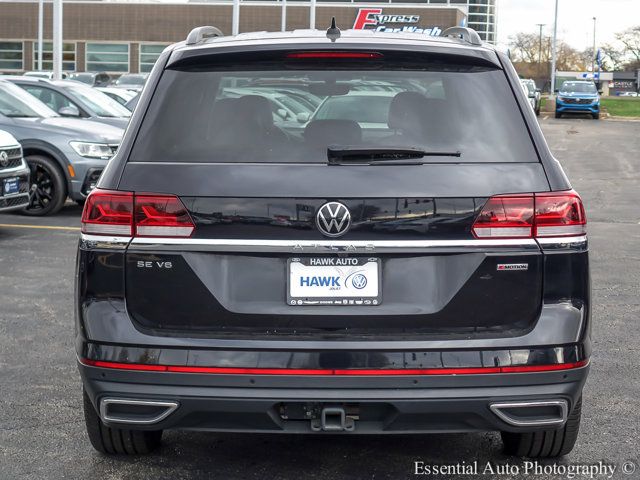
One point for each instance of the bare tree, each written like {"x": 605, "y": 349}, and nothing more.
{"x": 630, "y": 38}
{"x": 613, "y": 58}
{"x": 525, "y": 48}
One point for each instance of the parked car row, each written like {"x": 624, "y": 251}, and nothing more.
{"x": 70, "y": 128}
{"x": 128, "y": 81}
{"x": 56, "y": 136}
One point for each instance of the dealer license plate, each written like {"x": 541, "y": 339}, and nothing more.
{"x": 334, "y": 281}
{"x": 11, "y": 186}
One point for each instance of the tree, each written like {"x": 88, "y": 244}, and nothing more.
{"x": 630, "y": 38}
{"x": 613, "y": 58}
{"x": 525, "y": 51}
{"x": 525, "y": 47}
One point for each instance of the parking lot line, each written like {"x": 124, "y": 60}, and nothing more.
{"x": 43, "y": 227}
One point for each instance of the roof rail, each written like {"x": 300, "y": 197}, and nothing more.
{"x": 199, "y": 34}
{"x": 467, "y": 34}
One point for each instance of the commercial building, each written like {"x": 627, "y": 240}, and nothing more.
{"x": 120, "y": 36}
{"x": 625, "y": 82}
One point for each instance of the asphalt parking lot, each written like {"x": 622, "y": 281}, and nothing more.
{"x": 41, "y": 426}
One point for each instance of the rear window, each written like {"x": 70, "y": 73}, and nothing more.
{"x": 295, "y": 114}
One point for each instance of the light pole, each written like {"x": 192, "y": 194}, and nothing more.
{"x": 553, "y": 50}
{"x": 283, "y": 18}
{"x": 235, "y": 18}
{"x": 593, "y": 57}
{"x": 40, "y": 31}
{"x": 312, "y": 14}
{"x": 540, "y": 25}
{"x": 57, "y": 39}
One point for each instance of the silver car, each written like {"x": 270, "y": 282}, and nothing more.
{"x": 65, "y": 155}
{"x": 75, "y": 99}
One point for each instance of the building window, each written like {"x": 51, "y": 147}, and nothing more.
{"x": 107, "y": 57}
{"x": 149, "y": 53}
{"x": 11, "y": 56}
{"x": 68, "y": 56}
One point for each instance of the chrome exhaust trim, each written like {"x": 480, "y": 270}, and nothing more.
{"x": 168, "y": 406}
{"x": 561, "y": 406}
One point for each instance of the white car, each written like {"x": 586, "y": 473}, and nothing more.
{"x": 532, "y": 93}
{"x": 120, "y": 95}
{"x": 14, "y": 174}
{"x": 628, "y": 94}
{"x": 48, "y": 74}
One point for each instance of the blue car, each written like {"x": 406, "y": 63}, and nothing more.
{"x": 578, "y": 97}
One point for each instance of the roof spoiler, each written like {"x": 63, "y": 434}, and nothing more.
{"x": 467, "y": 34}
{"x": 199, "y": 34}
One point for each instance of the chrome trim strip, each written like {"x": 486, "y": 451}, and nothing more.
{"x": 21, "y": 169}
{"x": 23, "y": 196}
{"x": 562, "y": 406}
{"x": 88, "y": 241}
{"x": 563, "y": 243}
{"x": 327, "y": 246}
{"x": 300, "y": 246}
{"x": 105, "y": 402}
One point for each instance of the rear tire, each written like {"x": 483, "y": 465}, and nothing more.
{"x": 120, "y": 441}
{"x": 47, "y": 186}
{"x": 545, "y": 443}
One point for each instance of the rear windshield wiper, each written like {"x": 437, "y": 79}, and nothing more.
{"x": 340, "y": 155}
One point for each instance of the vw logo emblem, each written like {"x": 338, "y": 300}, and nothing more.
{"x": 4, "y": 159}
{"x": 333, "y": 219}
{"x": 359, "y": 281}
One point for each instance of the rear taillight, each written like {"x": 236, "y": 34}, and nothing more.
{"x": 161, "y": 216}
{"x": 505, "y": 217}
{"x": 108, "y": 213}
{"x": 555, "y": 214}
{"x": 559, "y": 214}
{"x": 125, "y": 213}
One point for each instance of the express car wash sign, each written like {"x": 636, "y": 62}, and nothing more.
{"x": 373, "y": 18}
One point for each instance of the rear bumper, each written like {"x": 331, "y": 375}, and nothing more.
{"x": 281, "y": 404}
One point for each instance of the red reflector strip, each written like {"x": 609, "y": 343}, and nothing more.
{"x": 124, "y": 366}
{"x": 335, "y": 372}
{"x": 334, "y": 55}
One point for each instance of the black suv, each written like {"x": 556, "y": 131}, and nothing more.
{"x": 415, "y": 261}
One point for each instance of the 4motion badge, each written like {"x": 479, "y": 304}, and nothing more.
{"x": 512, "y": 266}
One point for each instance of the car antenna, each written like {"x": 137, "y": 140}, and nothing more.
{"x": 333, "y": 32}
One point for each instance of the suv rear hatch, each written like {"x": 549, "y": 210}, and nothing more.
{"x": 252, "y": 174}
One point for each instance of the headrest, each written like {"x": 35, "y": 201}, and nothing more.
{"x": 322, "y": 133}
{"x": 255, "y": 109}
{"x": 407, "y": 110}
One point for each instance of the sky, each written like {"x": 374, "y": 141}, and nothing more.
{"x": 575, "y": 19}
